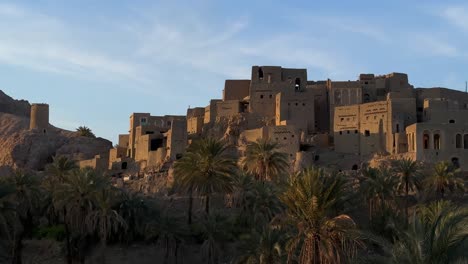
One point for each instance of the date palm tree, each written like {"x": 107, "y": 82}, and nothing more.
{"x": 321, "y": 235}
{"x": 262, "y": 247}
{"x": 378, "y": 187}
{"x": 103, "y": 219}
{"x": 74, "y": 200}
{"x": 437, "y": 234}
{"x": 264, "y": 160}
{"x": 205, "y": 169}
{"x": 408, "y": 172}
{"x": 25, "y": 197}
{"x": 85, "y": 131}
{"x": 445, "y": 178}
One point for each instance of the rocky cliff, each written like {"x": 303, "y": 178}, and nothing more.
{"x": 21, "y": 148}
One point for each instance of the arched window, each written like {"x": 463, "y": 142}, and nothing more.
{"x": 260, "y": 73}
{"x": 426, "y": 140}
{"x": 436, "y": 141}
{"x": 465, "y": 141}
{"x": 298, "y": 84}
{"x": 458, "y": 141}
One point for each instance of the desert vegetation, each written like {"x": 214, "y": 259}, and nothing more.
{"x": 401, "y": 213}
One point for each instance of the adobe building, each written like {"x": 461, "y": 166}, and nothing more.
{"x": 326, "y": 122}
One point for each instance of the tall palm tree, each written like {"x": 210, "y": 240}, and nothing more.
{"x": 205, "y": 169}
{"x": 378, "y": 187}
{"x": 437, "y": 234}
{"x": 444, "y": 178}
{"x": 321, "y": 234}
{"x": 74, "y": 200}
{"x": 215, "y": 235}
{"x": 56, "y": 173}
{"x": 58, "y": 169}
{"x": 133, "y": 208}
{"x": 264, "y": 160}
{"x": 408, "y": 172}
{"x": 26, "y": 197}
{"x": 103, "y": 219}
{"x": 263, "y": 247}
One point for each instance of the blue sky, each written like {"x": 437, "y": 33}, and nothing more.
{"x": 96, "y": 62}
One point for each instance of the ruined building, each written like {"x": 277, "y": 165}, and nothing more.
{"x": 329, "y": 123}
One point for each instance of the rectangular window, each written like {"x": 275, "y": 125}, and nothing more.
{"x": 367, "y": 133}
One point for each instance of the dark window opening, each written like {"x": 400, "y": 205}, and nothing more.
{"x": 124, "y": 165}
{"x": 367, "y": 133}
{"x": 178, "y": 156}
{"x": 261, "y": 96}
{"x": 398, "y": 128}
{"x": 465, "y": 141}
{"x": 292, "y": 135}
{"x": 366, "y": 98}
{"x": 426, "y": 141}
{"x": 458, "y": 141}
{"x": 436, "y": 141}
{"x": 149, "y": 132}
{"x": 455, "y": 162}
{"x": 341, "y": 132}
{"x": 316, "y": 157}
{"x": 260, "y": 73}
{"x": 347, "y": 131}
{"x": 44, "y": 131}
{"x": 355, "y": 131}
{"x": 271, "y": 96}
{"x": 296, "y": 104}
{"x": 355, "y": 167}
{"x": 285, "y": 138}
{"x": 156, "y": 143}
{"x": 451, "y": 121}
{"x": 298, "y": 84}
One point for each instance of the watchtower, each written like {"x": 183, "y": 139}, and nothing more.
{"x": 39, "y": 119}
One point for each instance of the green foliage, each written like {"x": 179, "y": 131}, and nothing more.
{"x": 85, "y": 131}
{"x": 56, "y": 232}
{"x": 264, "y": 160}
{"x": 437, "y": 234}
{"x": 321, "y": 234}
{"x": 444, "y": 179}
{"x": 205, "y": 169}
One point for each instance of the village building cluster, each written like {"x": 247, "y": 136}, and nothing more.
{"x": 330, "y": 123}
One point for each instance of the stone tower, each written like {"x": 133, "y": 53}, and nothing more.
{"x": 39, "y": 117}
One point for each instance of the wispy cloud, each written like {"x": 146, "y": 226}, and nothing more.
{"x": 456, "y": 15}
{"x": 43, "y": 43}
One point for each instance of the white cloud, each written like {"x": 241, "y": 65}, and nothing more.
{"x": 43, "y": 43}
{"x": 456, "y": 15}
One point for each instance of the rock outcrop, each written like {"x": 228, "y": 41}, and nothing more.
{"x": 22, "y": 148}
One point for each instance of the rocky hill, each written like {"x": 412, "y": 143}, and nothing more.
{"x": 22, "y": 148}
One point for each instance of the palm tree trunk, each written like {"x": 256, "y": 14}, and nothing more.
{"x": 190, "y": 206}
{"x": 407, "y": 200}
{"x": 207, "y": 205}
{"x": 68, "y": 259}
{"x": 17, "y": 249}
